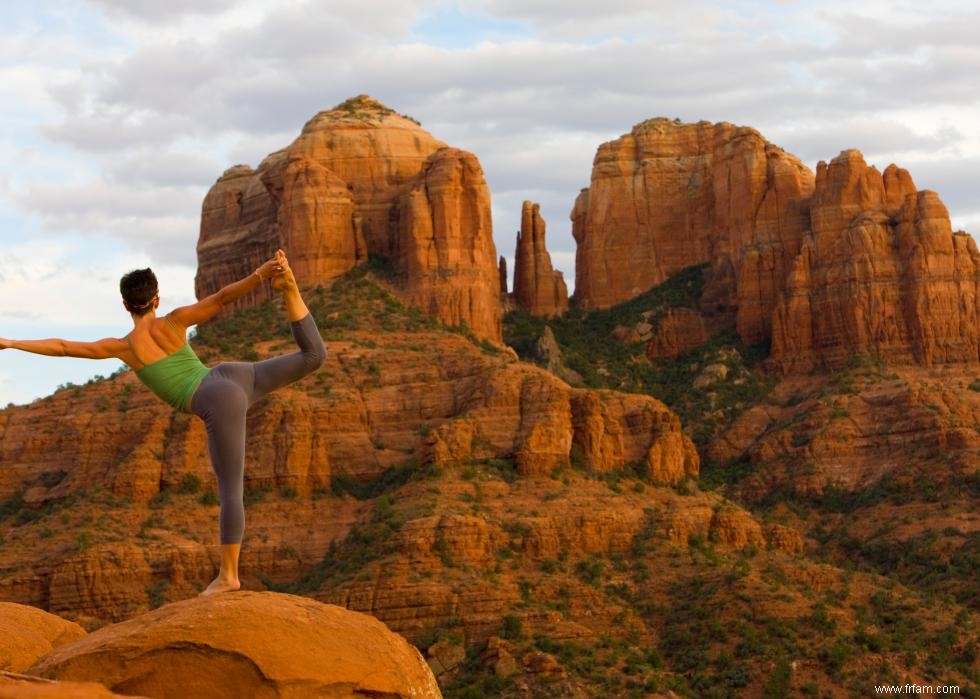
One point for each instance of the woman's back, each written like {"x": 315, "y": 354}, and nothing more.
{"x": 153, "y": 339}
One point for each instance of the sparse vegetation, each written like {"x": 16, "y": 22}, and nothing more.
{"x": 589, "y": 348}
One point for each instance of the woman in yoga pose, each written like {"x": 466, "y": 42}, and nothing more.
{"x": 157, "y": 349}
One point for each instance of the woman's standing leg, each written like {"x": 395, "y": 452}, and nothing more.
{"x": 222, "y": 401}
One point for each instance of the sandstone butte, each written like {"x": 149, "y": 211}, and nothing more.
{"x": 850, "y": 261}
{"x": 361, "y": 181}
{"x": 538, "y": 288}
{"x": 246, "y": 644}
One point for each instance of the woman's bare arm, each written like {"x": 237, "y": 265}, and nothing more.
{"x": 209, "y": 306}
{"x": 108, "y": 348}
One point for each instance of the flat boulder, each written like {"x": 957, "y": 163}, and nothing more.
{"x": 27, "y": 633}
{"x": 17, "y": 686}
{"x": 246, "y": 644}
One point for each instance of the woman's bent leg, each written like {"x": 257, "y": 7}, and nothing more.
{"x": 280, "y": 371}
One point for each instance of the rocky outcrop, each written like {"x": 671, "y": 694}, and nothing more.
{"x": 246, "y": 644}
{"x": 547, "y": 353}
{"x": 538, "y": 288}
{"x": 608, "y": 441}
{"x": 887, "y": 421}
{"x": 881, "y": 273}
{"x": 853, "y": 261}
{"x": 502, "y": 271}
{"x": 355, "y": 183}
{"x": 444, "y": 251}
{"x": 669, "y": 195}
{"x": 27, "y": 633}
{"x": 676, "y": 332}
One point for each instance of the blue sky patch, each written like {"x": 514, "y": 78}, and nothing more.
{"x": 451, "y": 28}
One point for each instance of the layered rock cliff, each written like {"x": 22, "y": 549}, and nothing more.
{"x": 880, "y": 273}
{"x": 360, "y": 180}
{"x": 444, "y": 249}
{"x": 668, "y": 196}
{"x": 538, "y": 288}
{"x": 853, "y": 261}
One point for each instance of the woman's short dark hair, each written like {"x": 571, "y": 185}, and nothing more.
{"x": 138, "y": 289}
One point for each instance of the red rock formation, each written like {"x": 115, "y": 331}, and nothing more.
{"x": 330, "y": 199}
{"x": 538, "y": 288}
{"x": 27, "y": 633}
{"x": 607, "y": 425}
{"x": 670, "y": 195}
{"x": 881, "y": 273}
{"x": 246, "y": 644}
{"x": 238, "y": 231}
{"x": 854, "y": 261}
{"x": 21, "y": 686}
{"x": 502, "y": 269}
{"x": 316, "y": 218}
{"x": 445, "y": 253}
{"x": 679, "y": 330}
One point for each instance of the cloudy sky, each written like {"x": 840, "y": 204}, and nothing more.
{"x": 119, "y": 114}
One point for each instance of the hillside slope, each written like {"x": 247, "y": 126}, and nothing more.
{"x": 527, "y": 536}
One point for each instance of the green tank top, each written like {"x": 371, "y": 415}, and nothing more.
{"x": 175, "y": 377}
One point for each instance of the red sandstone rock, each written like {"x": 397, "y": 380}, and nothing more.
{"x": 331, "y": 199}
{"x": 538, "y": 288}
{"x": 19, "y": 686}
{"x": 882, "y": 273}
{"x": 680, "y": 330}
{"x": 615, "y": 429}
{"x": 246, "y": 644}
{"x": 670, "y": 195}
{"x": 316, "y": 218}
{"x": 445, "y": 252}
{"x": 853, "y": 262}
{"x": 27, "y": 633}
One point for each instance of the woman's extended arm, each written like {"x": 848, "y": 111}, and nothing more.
{"x": 209, "y": 306}
{"x": 107, "y": 348}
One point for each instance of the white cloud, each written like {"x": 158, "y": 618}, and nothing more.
{"x": 117, "y": 129}
{"x": 878, "y": 136}
{"x": 155, "y": 11}
{"x": 168, "y": 169}
{"x": 61, "y": 281}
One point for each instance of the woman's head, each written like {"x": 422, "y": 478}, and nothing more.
{"x": 139, "y": 289}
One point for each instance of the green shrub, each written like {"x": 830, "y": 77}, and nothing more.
{"x": 780, "y": 681}
{"x": 513, "y": 628}
{"x": 190, "y": 484}
{"x": 12, "y": 505}
{"x": 589, "y": 571}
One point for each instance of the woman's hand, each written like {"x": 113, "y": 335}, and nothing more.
{"x": 273, "y": 267}
{"x": 6, "y": 344}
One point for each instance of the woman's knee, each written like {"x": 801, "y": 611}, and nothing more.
{"x": 316, "y": 356}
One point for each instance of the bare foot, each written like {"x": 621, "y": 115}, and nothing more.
{"x": 220, "y": 584}
{"x": 284, "y": 280}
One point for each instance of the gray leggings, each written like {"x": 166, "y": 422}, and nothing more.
{"x": 222, "y": 399}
